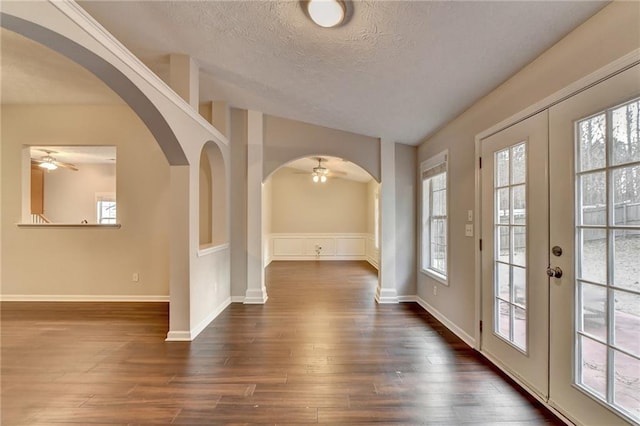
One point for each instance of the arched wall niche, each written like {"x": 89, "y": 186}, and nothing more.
{"x": 213, "y": 205}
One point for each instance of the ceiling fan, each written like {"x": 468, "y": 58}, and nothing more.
{"x": 49, "y": 162}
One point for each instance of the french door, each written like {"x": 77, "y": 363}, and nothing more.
{"x": 515, "y": 292}
{"x": 560, "y": 195}
{"x": 595, "y": 209}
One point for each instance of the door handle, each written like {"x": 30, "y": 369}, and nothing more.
{"x": 554, "y": 272}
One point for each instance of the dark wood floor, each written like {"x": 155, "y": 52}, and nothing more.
{"x": 320, "y": 351}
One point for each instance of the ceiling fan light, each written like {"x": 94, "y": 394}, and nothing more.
{"x": 316, "y": 178}
{"x": 323, "y": 179}
{"x": 48, "y": 165}
{"x": 326, "y": 13}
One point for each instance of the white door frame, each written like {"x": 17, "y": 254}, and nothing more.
{"x": 627, "y": 61}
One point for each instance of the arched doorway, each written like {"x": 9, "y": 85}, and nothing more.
{"x": 321, "y": 208}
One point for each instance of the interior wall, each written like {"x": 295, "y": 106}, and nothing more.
{"x": 70, "y": 196}
{"x": 406, "y": 266}
{"x": 607, "y": 36}
{"x": 287, "y": 140}
{"x": 205, "y": 200}
{"x": 87, "y": 261}
{"x": 301, "y": 206}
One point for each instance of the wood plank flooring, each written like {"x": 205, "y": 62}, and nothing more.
{"x": 320, "y": 351}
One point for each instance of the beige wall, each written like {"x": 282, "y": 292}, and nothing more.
{"x": 70, "y": 196}
{"x": 609, "y": 35}
{"x": 287, "y": 140}
{"x": 87, "y": 261}
{"x": 205, "y": 201}
{"x": 301, "y": 206}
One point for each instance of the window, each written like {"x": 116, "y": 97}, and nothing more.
{"x": 105, "y": 209}
{"x": 607, "y": 326}
{"x": 434, "y": 217}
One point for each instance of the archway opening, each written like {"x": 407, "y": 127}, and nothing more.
{"x": 321, "y": 208}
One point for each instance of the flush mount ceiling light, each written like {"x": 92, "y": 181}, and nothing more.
{"x": 327, "y": 13}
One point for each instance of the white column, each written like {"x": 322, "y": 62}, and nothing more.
{"x": 386, "y": 291}
{"x": 184, "y": 78}
{"x": 179, "y": 265}
{"x": 256, "y": 291}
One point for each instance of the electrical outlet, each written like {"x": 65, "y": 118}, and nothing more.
{"x": 135, "y": 277}
{"x": 435, "y": 290}
{"x": 468, "y": 230}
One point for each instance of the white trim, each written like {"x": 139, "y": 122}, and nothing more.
{"x": 607, "y": 71}
{"x": 237, "y": 299}
{"x": 205, "y": 322}
{"x": 408, "y": 299}
{"x": 548, "y": 404}
{"x": 256, "y": 296}
{"x": 386, "y": 295}
{"x": 476, "y": 251}
{"x": 178, "y": 336}
{"x": 69, "y": 225}
{"x": 207, "y": 250}
{"x": 469, "y": 340}
{"x": 80, "y": 298}
{"x": 85, "y": 21}
{"x": 321, "y": 258}
{"x": 431, "y": 162}
{"x": 436, "y": 276}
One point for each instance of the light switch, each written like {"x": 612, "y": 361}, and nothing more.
{"x": 469, "y": 215}
{"x": 468, "y": 230}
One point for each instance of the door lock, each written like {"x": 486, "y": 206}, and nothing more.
{"x": 554, "y": 272}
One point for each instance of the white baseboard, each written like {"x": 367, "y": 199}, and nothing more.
{"x": 178, "y": 336}
{"x": 386, "y": 295}
{"x": 188, "y": 336}
{"x": 406, "y": 299}
{"x": 373, "y": 262}
{"x": 516, "y": 378}
{"x": 255, "y": 297}
{"x": 205, "y": 322}
{"x": 321, "y": 257}
{"x": 80, "y": 298}
{"x": 237, "y": 299}
{"x": 469, "y": 340}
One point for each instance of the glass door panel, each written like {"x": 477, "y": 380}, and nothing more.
{"x": 608, "y": 257}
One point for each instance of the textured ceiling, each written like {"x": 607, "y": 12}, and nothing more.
{"x": 398, "y": 69}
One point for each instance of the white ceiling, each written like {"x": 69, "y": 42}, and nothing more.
{"x": 93, "y": 154}
{"x": 398, "y": 69}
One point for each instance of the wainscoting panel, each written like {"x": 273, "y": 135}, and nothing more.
{"x": 348, "y": 246}
{"x": 287, "y": 247}
{"x": 351, "y": 246}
